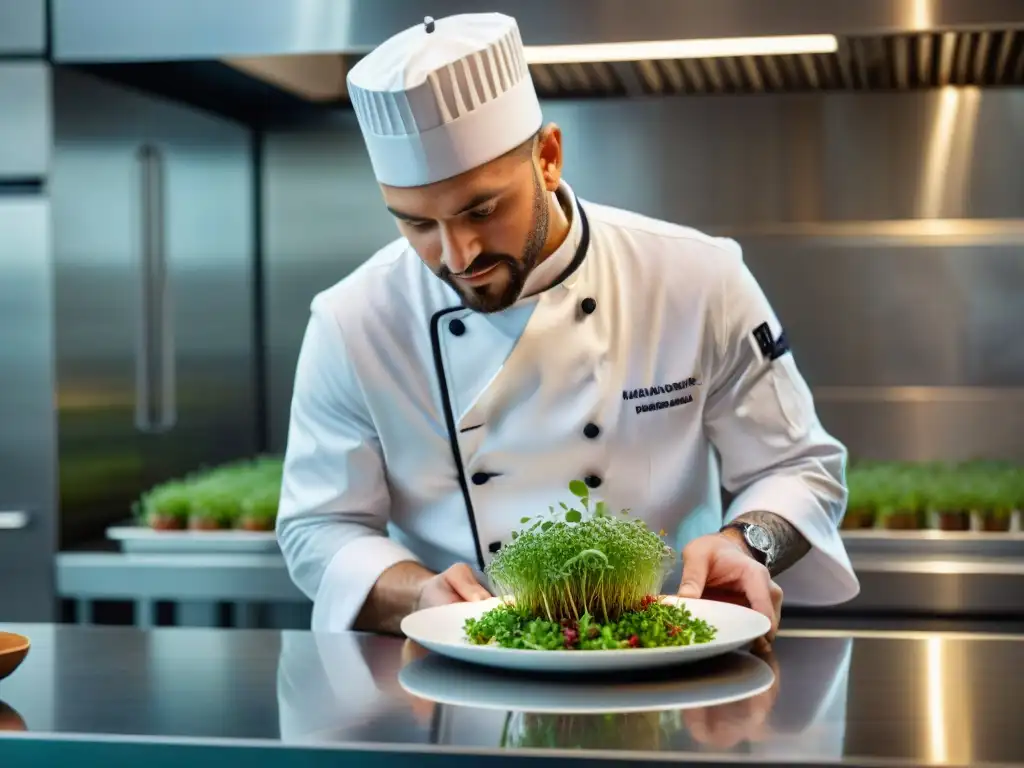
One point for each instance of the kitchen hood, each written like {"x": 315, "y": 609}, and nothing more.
{"x": 249, "y": 50}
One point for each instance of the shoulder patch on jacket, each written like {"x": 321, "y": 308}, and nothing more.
{"x": 771, "y": 348}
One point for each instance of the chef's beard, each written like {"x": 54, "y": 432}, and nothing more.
{"x": 496, "y": 297}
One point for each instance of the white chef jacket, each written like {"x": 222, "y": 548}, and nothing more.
{"x": 653, "y": 368}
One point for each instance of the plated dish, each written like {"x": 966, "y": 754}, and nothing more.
{"x": 443, "y": 631}
{"x": 579, "y": 592}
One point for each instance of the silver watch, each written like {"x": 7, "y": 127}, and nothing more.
{"x": 759, "y": 540}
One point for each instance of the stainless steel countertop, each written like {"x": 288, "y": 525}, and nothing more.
{"x": 833, "y": 698}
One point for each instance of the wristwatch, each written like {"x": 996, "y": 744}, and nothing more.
{"x": 759, "y": 541}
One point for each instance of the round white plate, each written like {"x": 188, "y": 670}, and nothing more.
{"x": 441, "y": 630}
{"x": 732, "y": 677}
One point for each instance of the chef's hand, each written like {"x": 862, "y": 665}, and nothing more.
{"x": 725, "y": 725}
{"x": 455, "y": 585}
{"x": 717, "y": 567}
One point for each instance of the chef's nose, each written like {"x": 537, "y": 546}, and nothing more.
{"x": 459, "y": 246}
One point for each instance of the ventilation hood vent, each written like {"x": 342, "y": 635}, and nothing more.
{"x": 895, "y": 62}
{"x": 266, "y": 60}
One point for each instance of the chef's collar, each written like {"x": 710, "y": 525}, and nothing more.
{"x": 548, "y": 271}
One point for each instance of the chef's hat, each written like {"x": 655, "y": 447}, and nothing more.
{"x": 444, "y": 97}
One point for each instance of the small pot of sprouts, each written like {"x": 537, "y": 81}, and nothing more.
{"x": 583, "y": 579}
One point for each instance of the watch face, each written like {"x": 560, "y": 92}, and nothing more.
{"x": 759, "y": 538}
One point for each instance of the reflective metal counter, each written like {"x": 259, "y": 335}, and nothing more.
{"x": 173, "y": 696}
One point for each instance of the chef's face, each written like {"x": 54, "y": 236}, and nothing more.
{"x": 484, "y": 231}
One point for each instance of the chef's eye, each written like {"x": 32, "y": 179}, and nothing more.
{"x": 482, "y": 213}
{"x": 419, "y": 224}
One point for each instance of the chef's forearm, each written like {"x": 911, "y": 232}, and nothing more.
{"x": 790, "y": 543}
{"x": 393, "y": 597}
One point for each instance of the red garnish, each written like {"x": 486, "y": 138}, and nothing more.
{"x": 673, "y": 630}
{"x": 571, "y": 636}
{"x": 648, "y": 600}
{"x": 634, "y": 641}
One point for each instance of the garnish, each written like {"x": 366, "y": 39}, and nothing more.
{"x": 584, "y": 579}
{"x": 656, "y": 625}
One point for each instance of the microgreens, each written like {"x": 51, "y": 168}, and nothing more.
{"x": 574, "y": 562}
{"x": 223, "y": 494}
{"x": 990, "y": 488}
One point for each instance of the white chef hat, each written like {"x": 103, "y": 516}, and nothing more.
{"x": 444, "y": 97}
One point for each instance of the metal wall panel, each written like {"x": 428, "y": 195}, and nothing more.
{"x": 25, "y": 132}
{"x": 28, "y": 433}
{"x": 741, "y": 160}
{"x": 926, "y": 424}
{"x": 22, "y": 27}
{"x": 323, "y": 216}
{"x": 886, "y": 229}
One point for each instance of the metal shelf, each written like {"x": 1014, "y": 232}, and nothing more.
{"x": 922, "y": 573}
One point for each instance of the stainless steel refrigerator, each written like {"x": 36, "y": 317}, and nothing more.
{"x": 28, "y": 434}
{"x": 154, "y": 265}
{"x": 127, "y": 310}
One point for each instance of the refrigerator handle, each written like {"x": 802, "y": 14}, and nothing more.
{"x": 14, "y": 520}
{"x": 155, "y": 379}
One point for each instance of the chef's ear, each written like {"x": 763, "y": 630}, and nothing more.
{"x": 549, "y": 155}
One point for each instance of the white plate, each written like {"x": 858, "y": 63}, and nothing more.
{"x": 441, "y": 630}
{"x": 732, "y": 677}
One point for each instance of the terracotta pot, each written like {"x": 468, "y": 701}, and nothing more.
{"x": 901, "y": 521}
{"x": 256, "y": 524}
{"x": 858, "y": 519}
{"x": 995, "y": 523}
{"x": 197, "y": 523}
{"x": 166, "y": 523}
{"x": 953, "y": 521}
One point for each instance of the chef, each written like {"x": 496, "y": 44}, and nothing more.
{"x": 516, "y": 338}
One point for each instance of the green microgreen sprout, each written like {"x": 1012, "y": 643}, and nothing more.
{"x": 573, "y": 562}
{"x": 989, "y": 488}
{"x": 239, "y": 494}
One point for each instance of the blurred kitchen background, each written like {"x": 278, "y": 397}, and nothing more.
{"x": 178, "y": 178}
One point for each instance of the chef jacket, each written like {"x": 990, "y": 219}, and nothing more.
{"x": 643, "y": 358}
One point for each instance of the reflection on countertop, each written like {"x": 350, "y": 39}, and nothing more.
{"x": 730, "y": 704}
{"x": 826, "y": 697}
{"x": 10, "y": 720}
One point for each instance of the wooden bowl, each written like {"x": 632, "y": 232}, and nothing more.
{"x": 11, "y": 720}
{"x": 13, "y": 650}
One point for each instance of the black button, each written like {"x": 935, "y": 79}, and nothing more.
{"x": 457, "y": 327}
{"x": 479, "y": 478}
{"x": 591, "y": 431}
{"x": 588, "y": 305}
{"x": 592, "y": 481}
{"x": 494, "y": 546}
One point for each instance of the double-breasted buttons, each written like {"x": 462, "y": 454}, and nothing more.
{"x": 588, "y": 305}
{"x": 592, "y": 481}
{"x": 493, "y": 547}
{"x": 591, "y": 431}
{"x": 457, "y": 327}
{"x": 479, "y": 478}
